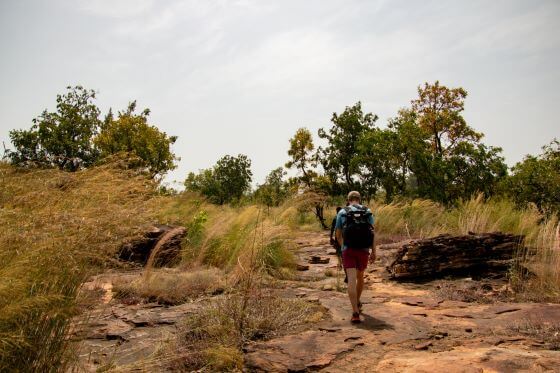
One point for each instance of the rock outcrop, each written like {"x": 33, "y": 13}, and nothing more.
{"x": 448, "y": 255}
{"x": 159, "y": 244}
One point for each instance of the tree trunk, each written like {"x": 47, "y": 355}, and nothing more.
{"x": 320, "y": 215}
{"x": 472, "y": 254}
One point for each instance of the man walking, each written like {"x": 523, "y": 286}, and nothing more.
{"x": 354, "y": 233}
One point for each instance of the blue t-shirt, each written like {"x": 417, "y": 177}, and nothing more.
{"x": 341, "y": 218}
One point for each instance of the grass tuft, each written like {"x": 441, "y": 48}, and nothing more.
{"x": 171, "y": 287}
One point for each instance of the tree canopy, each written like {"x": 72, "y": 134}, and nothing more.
{"x": 131, "y": 133}
{"x": 536, "y": 179}
{"x": 63, "y": 138}
{"x": 73, "y": 137}
{"x": 226, "y": 182}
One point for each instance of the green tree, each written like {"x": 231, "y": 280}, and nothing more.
{"x": 226, "y": 182}
{"x": 274, "y": 189}
{"x": 457, "y": 164}
{"x": 340, "y": 158}
{"x": 63, "y": 138}
{"x": 537, "y": 179}
{"x": 131, "y": 133}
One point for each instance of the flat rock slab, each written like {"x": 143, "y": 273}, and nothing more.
{"x": 309, "y": 350}
{"x": 476, "y": 360}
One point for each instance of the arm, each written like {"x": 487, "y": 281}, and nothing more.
{"x": 339, "y": 236}
{"x": 372, "y": 255}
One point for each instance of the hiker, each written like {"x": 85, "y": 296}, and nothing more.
{"x": 354, "y": 233}
{"x": 333, "y": 240}
{"x": 334, "y": 243}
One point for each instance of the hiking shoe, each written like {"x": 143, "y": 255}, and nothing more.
{"x": 355, "y": 318}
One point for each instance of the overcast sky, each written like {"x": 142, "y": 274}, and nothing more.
{"x": 232, "y": 77}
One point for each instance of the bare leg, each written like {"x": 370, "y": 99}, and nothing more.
{"x": 359, "y": 284}
{"x": 352, "y": 288}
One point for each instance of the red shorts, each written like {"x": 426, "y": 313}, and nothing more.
{"x": 352, "y": 258}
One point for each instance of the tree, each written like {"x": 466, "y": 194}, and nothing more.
{"x": 439, "y": 113}
{"x": 131, "y": 133}
{"x": 274, "y": 190}
{"x": 226, "y": 182}
{"x": 302, "y": 158}
{"x": 63, "y": 138}
{"x": 301, "y": 153}
{"x": 537, "y": 179}
{"x": 340, "y": 158}
{"x": 457, "y": 164}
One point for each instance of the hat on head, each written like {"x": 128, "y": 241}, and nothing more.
{"x": 354, "y": 195}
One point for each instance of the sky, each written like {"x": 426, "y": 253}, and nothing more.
{"x": 241, "y": 76}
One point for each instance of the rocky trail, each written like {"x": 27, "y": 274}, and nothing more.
{"x": 407, "y": 327}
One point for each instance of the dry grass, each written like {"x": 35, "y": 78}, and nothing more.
{"x": 56, "y": 227}
{"x": 547, "y": 332}
{"x": 170, "y": 286}
{"x": 484, "y": 292}
{"x": 213, "y": 338}
{"x": 231, "y": 238}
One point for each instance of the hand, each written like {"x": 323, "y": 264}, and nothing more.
{"x": 372, "y": 257}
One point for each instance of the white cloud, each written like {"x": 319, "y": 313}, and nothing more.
{"x": 116, "y": 8}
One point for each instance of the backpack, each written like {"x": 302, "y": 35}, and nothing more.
{"x": 357, "y": 231}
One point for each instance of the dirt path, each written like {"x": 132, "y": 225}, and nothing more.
{"x": 406, "y": 328}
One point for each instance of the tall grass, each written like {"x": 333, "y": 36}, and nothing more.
{"x": 227, "y": 237}
{"x": 57, "y": 227}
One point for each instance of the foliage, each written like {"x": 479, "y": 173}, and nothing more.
{"x": 274, "y": 189}
{"x": 302, "y": 157}
{"x": 226, "y": 182}
{"x": 131, "y": 133}
{"x": 73, "y": 137}
{"x": 63, "y": 138}
{"x": 439, "y": 114}
{"x": 340, "y": 158}
{"x": 537, "y": 179}
{"x": 428, "y": 151}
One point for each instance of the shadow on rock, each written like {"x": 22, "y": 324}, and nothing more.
{"x": 371, "y": 323}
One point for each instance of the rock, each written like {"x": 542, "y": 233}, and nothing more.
{"x": 423, "y": 346}
{"x": 468, "y": 330}
{"x": 331, "y": 252}
{"x": 471, "y": 360}
{"x": 328, "y": 287}
{"x": 302, "y": 267}
{"x": 160, "y": 244}
{"x": 308, "y": 351}
{"x": 318, "y": 260}
{"x": 506, "y": 309}
{"x": 448, "y": 255}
